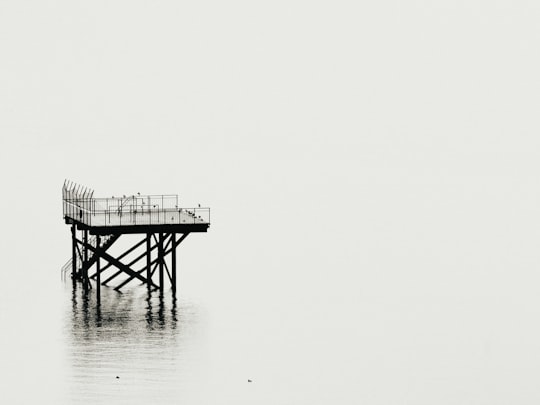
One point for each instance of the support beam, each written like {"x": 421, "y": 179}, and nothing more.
{"x": 117, "y": 263}
{"x": 98, "y": 270}
{"x": 148, "y": 259}
{"x": 167, "y": 243}
{"x": 106, "y": 245}
{"x": 85, "y": 250}
{"x": 123, "y": 283}
{"x": 156, "y": 261}
{"x": 167, "y": 271}
{"x": 84, "y": 270}
{"x": 173, "y": 263}
{"x": 127, "y": 252}
{"x": 80, "y": 254}
{"x": 184, "y": 236}
{"x": 161, "y": 262}
{"x": 156, "y": 264}
{"x": 74, "y": 274}
{"x": 129, "y": 265}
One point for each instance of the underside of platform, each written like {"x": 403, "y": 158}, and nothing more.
{"x": 142, "y": 229}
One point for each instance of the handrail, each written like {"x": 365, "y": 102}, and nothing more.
{"x": 80, "y": 206}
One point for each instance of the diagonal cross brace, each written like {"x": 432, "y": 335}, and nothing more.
{"x": 129, "y": 264}
{"x": 126, "y": 253}
{"x": 93, "y": 259}
{"x": 131, "y": 249}
{"x": 116, "y": 262}
{"x": 156, "y": 261}
{"x": 153, "y": 261}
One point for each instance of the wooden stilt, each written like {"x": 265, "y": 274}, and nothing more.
{"x": 161, "y": 259}
{"x": 98, "y": 270}
{"x": 84, "y": 270}
{"x": 173, "y": 263}
{"x": 74, "y": 274}
{"x": 148, "y": 260}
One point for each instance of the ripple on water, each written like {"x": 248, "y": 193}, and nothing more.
{"x": 147, "y": 341}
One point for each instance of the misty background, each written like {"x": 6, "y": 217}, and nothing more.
{"x": 371, "y": 169}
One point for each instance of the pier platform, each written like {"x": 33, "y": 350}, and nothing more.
{"x": 101, "y": 222}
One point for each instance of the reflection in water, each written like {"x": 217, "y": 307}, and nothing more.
{"x": 144, "y": 339}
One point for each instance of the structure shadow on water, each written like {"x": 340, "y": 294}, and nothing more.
{"x": 134, "y": 347}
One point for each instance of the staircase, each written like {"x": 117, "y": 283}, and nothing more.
{"x": 106, "y": 242}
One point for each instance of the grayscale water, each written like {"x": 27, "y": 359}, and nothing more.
{"x": 372, "y": 169}
{"x": 147, "y": 341}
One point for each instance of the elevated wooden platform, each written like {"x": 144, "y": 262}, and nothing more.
{"x": 163, "y": 224}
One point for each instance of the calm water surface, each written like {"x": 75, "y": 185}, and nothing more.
{"x": 149, "y": 342}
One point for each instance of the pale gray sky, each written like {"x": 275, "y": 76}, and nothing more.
{"x": 372, "y": 169}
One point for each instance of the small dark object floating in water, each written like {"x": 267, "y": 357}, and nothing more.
{"x": 250, "y": 381}
{"x": 117, "y": 377}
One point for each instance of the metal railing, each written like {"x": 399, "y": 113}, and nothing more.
{"x": 80, "y": 206}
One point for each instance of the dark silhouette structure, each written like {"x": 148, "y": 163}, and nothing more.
{"x": 97, "y": 223}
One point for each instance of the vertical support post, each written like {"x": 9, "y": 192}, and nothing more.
{"x": 74, "y": 274}
{"x": 85, "y": 260}
{"x": 148, "y": 261}
{"x": 98, "y": 269}
{"x": 160, "y": 259}
{"x": 173, "y": 263}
